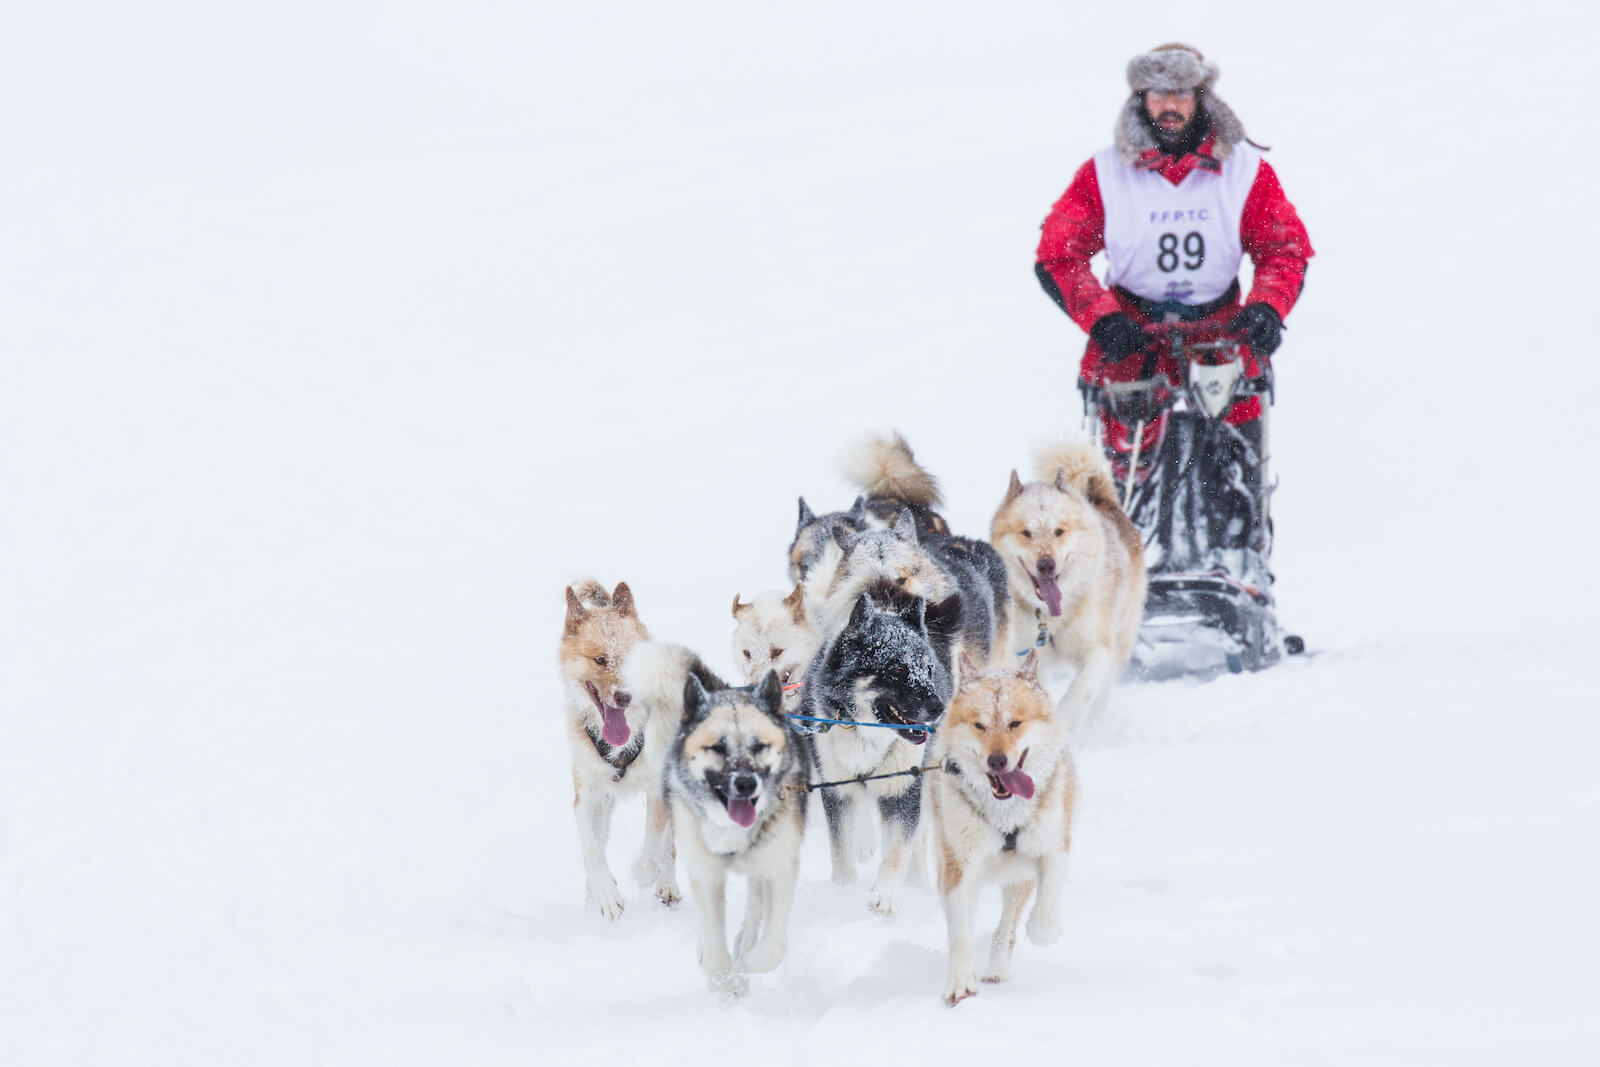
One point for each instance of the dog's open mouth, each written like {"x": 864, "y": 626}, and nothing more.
{"x": 890, "y": 714}
{"x": 1048, "y": 591}
{"x": 613, "y": 720}
{"x": 742, "y": 810}
{"x": 1012, "y": 783}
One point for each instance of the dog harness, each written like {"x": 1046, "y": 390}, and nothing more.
{"x": 623, "y": 757}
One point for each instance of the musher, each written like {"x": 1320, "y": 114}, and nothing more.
{"x": 1175, "y": 203}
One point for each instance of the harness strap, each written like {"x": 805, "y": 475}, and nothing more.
{"x": 1010, "y": 844}
{"x": 624, "y": 755}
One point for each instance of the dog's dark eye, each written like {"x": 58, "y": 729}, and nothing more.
{"x": 747, "y": 653}
{"x": 1014, "y": 724}
{"x": 1059, "y": 531}
{"x": 978, "y": 726}
{"x": 719, "y": 749}
{"x": 759, "y": 747}
{"x": 1028, "y": 534}
{"x": 900, "y": 580}
{"x": 600, "y": 661}
{"x": 776, "y": 652}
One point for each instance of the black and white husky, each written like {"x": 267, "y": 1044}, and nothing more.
{"x": 734, "y": 780}
{"x": 888, "y": 664}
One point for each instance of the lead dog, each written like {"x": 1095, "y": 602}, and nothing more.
{"x": 1076, "y": 569}
{"x": 734, "y": 776}
{"x": 607, "y": 732}
{"x": 1002, "y": 806}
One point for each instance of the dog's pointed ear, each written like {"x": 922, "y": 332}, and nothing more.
{"x": 796, "y": 603}
{"x": 695, "y": 699}
{"x": 845, "y": 538}
{"x": 858, "y": 511}
{"x": 769, "y": 696}
{"x": 861, "y": 611}
{"x": 806, "y": 516}
{"x": 1013, "y": 490}
{"x": 1061, "y": 480}
{"x": 915, "y": 612}
{"x": 905, "y": 526}
{"x": 943, "y": 619}
{"x": 622, "y": 599}
{"x": 576, "y": 612}
{"x": 966, "y": 668}
{"x": 1028, "y": 669}
{"x": 738, "y": 607}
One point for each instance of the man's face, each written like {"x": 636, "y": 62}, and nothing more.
{"x": 1170, "y": 109}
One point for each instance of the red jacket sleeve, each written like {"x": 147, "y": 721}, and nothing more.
{"x": 1074, "y": 231}
{"x": 1277, "y": 243}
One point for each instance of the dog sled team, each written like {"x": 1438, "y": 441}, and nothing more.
{"x": 899, "y": 678}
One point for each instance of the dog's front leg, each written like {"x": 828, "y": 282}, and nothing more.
{"x": 1089, "y": 690}
{"x": 709, "y": 885}
{"x": 778, "y": 896}
{"x": 1014, "y": 897}
{"x": 755, "y": 913}
{"x": 901, "y": 813}
{"x": 1044, "y": 924}
{"x": 958, "y": 892}
{"x": 592, "y": 806}
{"x": 657, "y": 866}
{"x": 836, "y": 805}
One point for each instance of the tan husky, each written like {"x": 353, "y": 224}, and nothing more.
{"x": 774, "y": 632}
{"x": 1002, "y": 804}
{"x": 607, "y": 733}
{"x": 1076, "y": 569}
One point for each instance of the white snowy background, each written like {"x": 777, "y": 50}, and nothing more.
{"x": 335, "y": 338}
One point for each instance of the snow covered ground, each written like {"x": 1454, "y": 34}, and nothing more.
{"x": 337, "y": 338}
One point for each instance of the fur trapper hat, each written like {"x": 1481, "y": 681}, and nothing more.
{"x": 1173, "y": 66}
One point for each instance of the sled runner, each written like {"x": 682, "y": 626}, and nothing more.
{"x": 1197, "y": 488}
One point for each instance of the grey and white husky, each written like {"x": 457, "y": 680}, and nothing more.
{"x": 734, "y": 779}
{"x": 887, "y": 664}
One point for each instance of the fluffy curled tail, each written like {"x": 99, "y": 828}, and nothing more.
{"x": 884, "y": 466}
{"x": 1082, "y": 466}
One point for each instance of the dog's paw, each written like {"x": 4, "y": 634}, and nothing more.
{"x": 997, "y": 971}
{"x": 727, "y": 985}
{"x": 605, "y": 898}
{"x": 960, "y": 987}
{"x": 668, "y": 893}
{"x": 1043, "y": 928}
{"x": 646, "y": 870}
{"x": 885, "y": 902}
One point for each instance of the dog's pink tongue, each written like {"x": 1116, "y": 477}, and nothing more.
{"x": 1017, "y": 782}
{"x": 1048, "y": 591}
{"x": 742, "y": 812}
{"x": 615, "y": 730}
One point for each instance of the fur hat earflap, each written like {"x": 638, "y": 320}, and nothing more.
{"x": 1171, "y": 66}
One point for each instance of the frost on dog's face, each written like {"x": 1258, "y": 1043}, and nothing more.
{"x": 735, "y": 742}
{"x": 995, "y": 722}
{"x": 894, "y": 557}
{"x": 773, "y": 634}
{"x": 1038, "y": 531}
{"x": 888, "y": 661}
{"x": 600, "y": 631}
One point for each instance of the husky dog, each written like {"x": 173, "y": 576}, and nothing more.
{"x": 607, "y": 733}
{"x": 885, "y": 665}
{"x": 774, "y": 632}
{"x": 1077, "y": 571}
{"x": 911, "y": 558}
{"x": 733, "y": 775}
{"x": 893, "y": 480}
{"x": 1002, "y": 807}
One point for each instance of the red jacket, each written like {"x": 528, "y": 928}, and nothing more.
{"x": 1270, "y": 232}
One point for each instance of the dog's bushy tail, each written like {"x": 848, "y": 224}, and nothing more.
{"x": 1085, "y": 468}
{"x": 884, "y": 466}
{"x": 655, "y": 673}
{"x": 590, "y": 593}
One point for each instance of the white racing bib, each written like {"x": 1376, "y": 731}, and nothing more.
{"x": 1174, "y": 242}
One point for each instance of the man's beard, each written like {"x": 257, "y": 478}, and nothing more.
{"x": 1183, "y": 139}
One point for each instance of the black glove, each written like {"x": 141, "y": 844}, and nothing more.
{"x": 1260, "y": 326}
{"x": 1118, "y": 336}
